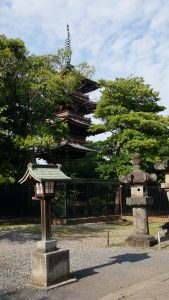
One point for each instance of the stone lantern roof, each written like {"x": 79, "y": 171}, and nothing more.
{"x": 138, "y": 176}
{"x": 162, "y": 165}
{"x": 44, "y": 173}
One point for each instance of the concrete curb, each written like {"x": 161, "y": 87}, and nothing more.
{"x": 131, "y": 290}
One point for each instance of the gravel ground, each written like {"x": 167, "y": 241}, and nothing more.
{"x": 99, "y": 269}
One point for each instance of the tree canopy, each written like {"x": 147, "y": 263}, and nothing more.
{"x": 129, "y": 110}
{"x": 32, "y": 89}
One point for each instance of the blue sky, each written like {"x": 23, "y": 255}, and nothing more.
{"x": 118, "y": 37}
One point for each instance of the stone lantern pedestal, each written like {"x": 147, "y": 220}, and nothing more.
{"x": 50, "y": 266}
{"x": 139, "y": 201}
{"x": 140, "y": 236}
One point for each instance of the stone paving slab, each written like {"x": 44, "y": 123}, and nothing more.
{"x": 156, "y": 288}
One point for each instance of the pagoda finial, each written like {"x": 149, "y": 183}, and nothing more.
{"x": 68, "y": 50}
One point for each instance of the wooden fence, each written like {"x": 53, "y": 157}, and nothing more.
{"x": 78, "y": 198}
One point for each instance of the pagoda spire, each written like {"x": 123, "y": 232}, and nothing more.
{"x": 68, "y": 50}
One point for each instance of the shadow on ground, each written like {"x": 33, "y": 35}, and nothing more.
{"x": 119, "y": 259}
{"x": 24, "y": 294}
{"x": 21, "y": 237}
{"x": 17, "y": 236}
{"x": 33, "y": 293}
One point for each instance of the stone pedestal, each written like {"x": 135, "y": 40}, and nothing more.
{"x": 141, "y": 240}
{"x": 49, "y": 265}
{"x": 140, "y": 236}
{"x": 140, "y": 220}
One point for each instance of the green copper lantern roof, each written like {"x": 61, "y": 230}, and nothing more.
{"x": 44, "y": 173}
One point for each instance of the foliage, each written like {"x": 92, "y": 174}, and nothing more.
{"x": 83, "y": 167}
{"x": 129, "y": 109}
{"x": 58, "y": 201}
{"x": 58, "y": 204}
{"x": 32, "y": 89}
{"x": 86, "y": 70}
{"x": 3, "y": 120}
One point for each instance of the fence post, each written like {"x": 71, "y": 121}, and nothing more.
{"x": 65, "y": 200}
{"x": 108, "y": 237}
{"x": 121, "y": 206}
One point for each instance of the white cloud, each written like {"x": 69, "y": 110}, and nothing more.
{"x": 120, "y": 37}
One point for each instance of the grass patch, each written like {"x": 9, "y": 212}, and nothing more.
{"x": 33, "y": 229}
{"x": 84, "y": 230}
{"x": 92, "y": 229}
{"x": 11, "y": 226}
{"x": 88, "y": 230}
{"x": 153, "y": 228}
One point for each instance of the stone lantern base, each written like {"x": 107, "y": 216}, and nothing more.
{"x": 50, "y": 266}
{"x": 141, "y": 240}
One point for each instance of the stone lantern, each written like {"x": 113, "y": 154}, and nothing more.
{"x": 50, "y": 265}
{"x": 164, "y": 165}
{"x": 139, "y": 201}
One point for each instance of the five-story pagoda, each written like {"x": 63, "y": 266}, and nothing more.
{"x": 73, "y": 114}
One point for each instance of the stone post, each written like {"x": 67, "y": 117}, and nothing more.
{"x": 139, "y": 201}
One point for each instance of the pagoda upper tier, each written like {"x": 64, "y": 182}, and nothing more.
{"x": 78, "y": 126}
{"x": 86, "y": 85}
{"x": 81, "y": 104}
{"x": 73, "y": 114}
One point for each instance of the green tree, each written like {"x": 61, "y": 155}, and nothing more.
{"x": 3, "y": 121}
{"x": 128, "y": 110}
{"x": 32, "y": 89}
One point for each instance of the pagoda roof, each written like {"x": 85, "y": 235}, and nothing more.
{"x": 82, "y": 97}
{"x": 43, "y": 173}
{"x": 69, "y": 114}
{"x": 74, "y": 146}
{"x": 74, "y": 120}
{"x": 67, "y": 68}
{"x": 84, "y": 101}
{"x": 87, "y": 85}
{"x": 80, "y": 122}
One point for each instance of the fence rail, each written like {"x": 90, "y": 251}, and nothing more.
{"x": 78, "y": 198}
{"x": 160, "y": 206}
